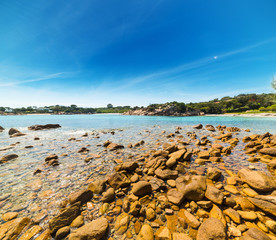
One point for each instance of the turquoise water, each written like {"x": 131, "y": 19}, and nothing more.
{"x": 110, "y": 121}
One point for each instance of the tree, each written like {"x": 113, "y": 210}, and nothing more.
{"x": 109, "y": 105}
{"x": 273, "y": 83}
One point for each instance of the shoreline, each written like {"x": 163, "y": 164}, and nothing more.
{"x": 148, "y": 188}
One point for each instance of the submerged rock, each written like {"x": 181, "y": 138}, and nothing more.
{"x": 11, "y": 229}
{"x": 8, "y": 157}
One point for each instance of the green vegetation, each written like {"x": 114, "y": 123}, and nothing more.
{"x": 252, "y": 103}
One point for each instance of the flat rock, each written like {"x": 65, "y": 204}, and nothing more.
{"x": 9, "y": 216}
{"x": 121, "y": 224}
{"x": 94, "y": 230}
{"x": 31, "y": 232}
{"x": 213, "y": 174}
{"x": 258, "y": 180}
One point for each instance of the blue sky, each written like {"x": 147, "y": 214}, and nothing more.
{"x": 134, "y": 52}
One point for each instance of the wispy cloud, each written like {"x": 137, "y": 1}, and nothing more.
{"x": 42, "y": 78}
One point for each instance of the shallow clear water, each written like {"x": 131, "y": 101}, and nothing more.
{"x": 30, "y": 194}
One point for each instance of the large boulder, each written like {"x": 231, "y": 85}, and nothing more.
{"x": 211, "y": 229}
{"x": 258, "y": 180}
{"x": 11, "y": 229}
{"x": 269, "y": 151}
{"x": 141, "y": 188}
{"x": 43, "y": 127}
{"x": 94, "y": 230}
{"x": 193, "y": 187}
{"x": 64, "y": 218}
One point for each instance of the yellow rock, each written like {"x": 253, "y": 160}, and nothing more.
{"x": 163, "y": 233}
{"x": 181, "y": 236}
{"x": 250, "y": 192}
{"x": 146, "y": 233}
{"x": 231, "y": 189}
{"x": 45, "y": 235}
{"x": 31, "y": 232}
{"x": 217, "y": 213}
{"x": 262, "y": 227}
{"x": 9, "y": 216}
{"x": 248, "y": 215}
{"x": 11, "y": 229}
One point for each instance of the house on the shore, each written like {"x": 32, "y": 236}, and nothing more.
{"x": 8, "y": 110}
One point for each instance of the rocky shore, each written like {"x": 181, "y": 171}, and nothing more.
{"x": 180, "y": 189}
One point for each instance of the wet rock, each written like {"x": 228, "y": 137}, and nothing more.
{"x": 43, "y": 127}
{"x": 9, "y": 216}
{"x": 210, "y": 127}
{"x": 46, "y": 235}
{"x": 1, "y": 129}
{"x": 64, "y": 218}
{"x": 166, "y": 173}
{"x": 31, "y": 232}
{"x": 213, "y": 174}
{"x": 97, "y": 187}
{"x": 198, "y": 126}
{"x": 146, "y": 233}
{"x": 135, "y": 208}
{"x": 189, "y": 218}
{"x": 11, "y": 229}
{"x": 114, "y": 146}
{"x": 141, "y": 188}
{"x": 94, "y": 230}
{"x": 62, "y": 233}
{"x": 269, "y": 151}
{"x": 257, "y": 179}
{"x": 193, "y": 187}
{"x": 51, "y": 160}
{"x": 83, "y": 196}
{"x": 211, "y": 228}
{"x": 118, "y": 180}
{"x": 248, "y": 215}
{"x": 8, "y": 157}
{"x": 121, "y": 224}
{"x": 255, "y": 234}
{"x": 78, "y": 222}
{"x": 109, "y": 195}
{"x": 15, "y": 133}
{"x": 214, "y": 194}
